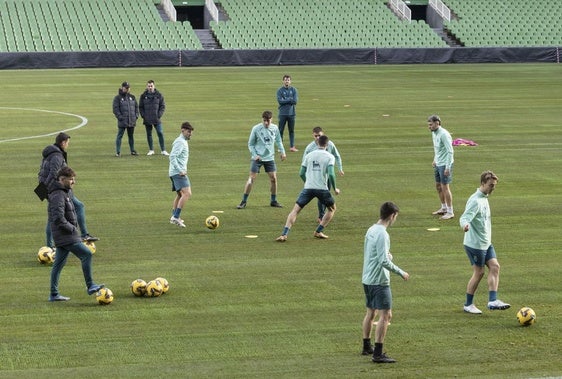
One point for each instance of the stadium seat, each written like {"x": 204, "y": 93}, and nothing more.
{"x": 75, "y": 25}
{"x": 513, "y": 23}
{"x": 97, "y": 25}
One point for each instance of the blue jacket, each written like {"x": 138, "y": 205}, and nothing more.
{"x": 287, "y": 99}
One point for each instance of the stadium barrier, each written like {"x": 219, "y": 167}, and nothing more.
{"x": 188, "y": 58}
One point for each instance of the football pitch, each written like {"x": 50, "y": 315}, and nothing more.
{"x": 254, "y": 308}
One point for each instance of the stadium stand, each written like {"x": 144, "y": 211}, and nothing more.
{"x": 89, "y": 25}
{"x": 124, "y": 25}
{"x": 273, "y": 24}
{"x": 488, "y": 23}
{"x": 127, "y": 25}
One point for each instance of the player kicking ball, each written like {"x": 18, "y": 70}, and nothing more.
{"x": 316, "y": 171}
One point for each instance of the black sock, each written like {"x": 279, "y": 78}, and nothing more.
{"x": 366, "y": 343}
{"x": 378, "y": 349}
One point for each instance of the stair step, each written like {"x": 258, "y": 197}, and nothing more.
{"x": 207, "y": 39}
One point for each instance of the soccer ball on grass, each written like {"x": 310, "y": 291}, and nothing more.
{"x": 154, "y": 288}
{"x": 138, "y": 287}
{"x": 46, "y": 255}
{"x": 104, "y": 296}
{"x": 526, "y": 316}
{"x": 212, "y": 222}
{"x": 165, "y": 284}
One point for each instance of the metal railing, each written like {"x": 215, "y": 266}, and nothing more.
{"x": 169, "y": 10}
{"x": 441, "y": 9}
{"x": 401, "y": 9}
{"x": 213, "y": 10}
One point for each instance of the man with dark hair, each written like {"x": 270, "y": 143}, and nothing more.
{"x": 317, "y": 170}
{"x": 317, "y": 131}
{"x": 377, "y": 265}
{"x": 151, "y": 108}
{"x": 177, "y": 171}
{"x": 55, "y": 158}
{"x": 287, "y": 97}
{"x": 261, "y": 143}
{"x": 443, "y": 159}
{"x": 64, "y": 225}
{"x": 126, "y": 111}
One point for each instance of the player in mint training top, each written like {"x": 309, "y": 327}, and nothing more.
{"x": 263, "y": 138}
{"x": 179, "y": 156}
{"x": 332, "y": 149}
{"x": 476, "y": 222}
{"x": 316, "y": 171}
{"x": 443, "y": 159}
{"x": 377, "y": 266}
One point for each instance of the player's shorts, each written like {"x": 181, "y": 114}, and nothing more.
{"x": 479, "y": 257}
{"x": 440, "y": 177}
{"x": 268, "y": 166}
{"x": 179, "y": 182}
{"x": 308, "y": 194}
{"x": 377, "y": 297}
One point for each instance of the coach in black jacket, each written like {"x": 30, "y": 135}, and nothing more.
{"x": 64, "y": 225}
{"x": 126, "y": 110}
{"x": 55, "y": 158}
{"x": 152, "y": 107}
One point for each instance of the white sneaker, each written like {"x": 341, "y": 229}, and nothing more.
{"x": 447, "y": 216}
{"x": 177, "y": 221}
{"x": 150, "y": 152}
{"x": 498, "y": 304}
{"x": 472, "y": 309}
{"x": 440, "y": 211}
{"x": 164, "y": 152}
{"x": 172, "y": 220}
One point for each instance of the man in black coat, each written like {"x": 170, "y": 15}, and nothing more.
{"x": 55, "y": 158}
{"x": 151, "y": 108}
{"x": 64, "y": 224}
{"x": 126, "y": 110}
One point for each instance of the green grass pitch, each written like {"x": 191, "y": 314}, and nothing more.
{"x": 254, "y": 308}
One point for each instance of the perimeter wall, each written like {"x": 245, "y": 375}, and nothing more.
{"x": 189, "y": 58}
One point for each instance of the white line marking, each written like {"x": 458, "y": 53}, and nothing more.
{"x": 83, "y": 123}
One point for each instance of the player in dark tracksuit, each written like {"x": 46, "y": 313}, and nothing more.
{"x": 126, "y": 110}
{"x": 151, "y": 108}
{"x": 287, "y": 97}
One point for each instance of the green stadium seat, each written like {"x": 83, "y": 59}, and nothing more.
{"x": 505, "y": 23}
{"x": 75, "y": 25}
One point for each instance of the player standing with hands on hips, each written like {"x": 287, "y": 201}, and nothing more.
{"x": 442, "y": 165}
{"x": 476, "y": 222}
{"x": 377, "y": 265}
